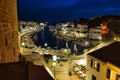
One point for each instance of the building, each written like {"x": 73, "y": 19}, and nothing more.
{"x": 104, "y": 63}
{"x": 23, "y": 26}
{"x": 82, "y": 30}
{"x": 78, "y": 32}
{"x": 95, "y": 33}
{"x": 27, "y": 25}
{"x": 23, "y": 71}
{"x": 9, "y": 42}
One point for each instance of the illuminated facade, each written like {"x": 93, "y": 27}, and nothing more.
{"x": 95, "y": 33}
{"x": 9, "y": 42}
{"x": 104, "y": 63}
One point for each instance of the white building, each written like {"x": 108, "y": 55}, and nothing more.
{"x": 104, "y": 63}
{"x": 79, "y": 31}
{"x": 82, "y": 30}
{"x": 95, "y": 33}
{"x": 60, "y": 25}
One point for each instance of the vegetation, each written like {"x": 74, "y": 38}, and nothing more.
{"x": 114, "y": 26}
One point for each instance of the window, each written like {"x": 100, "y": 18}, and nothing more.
{"x": 118, "y": 77}
{"x": 98, "y": 67}
{"x": 91, "y": 62}
{"x": 93, "y": 77}
{"x": 108, "y": 73}
{"x": 95, "y": 65}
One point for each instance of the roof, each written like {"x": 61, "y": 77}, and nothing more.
{"x": 110, "y": 53}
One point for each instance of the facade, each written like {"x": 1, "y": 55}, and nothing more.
{"x": 95, "y": 33}
{"x": 78, "y": 32}
{"x": 82, "y": 30}
{"x": 9, "y": 42}
{"x": 104, "y": 63}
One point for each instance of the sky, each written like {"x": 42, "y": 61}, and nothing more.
{"x": 65, "y": 10}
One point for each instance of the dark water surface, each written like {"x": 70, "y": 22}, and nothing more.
{"x": 46, "y": 36}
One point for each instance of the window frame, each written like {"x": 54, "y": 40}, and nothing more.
{"x": 94, "y": 64}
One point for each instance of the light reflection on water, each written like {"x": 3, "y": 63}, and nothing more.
{"x": 46, "y": 36}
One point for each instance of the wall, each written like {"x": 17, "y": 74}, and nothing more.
{"x": 101, "y": 75}
{"x": 114, "y": 71}
{"x": 9, "y": 45}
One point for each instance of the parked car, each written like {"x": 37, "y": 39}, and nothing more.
{"x": 61, "y": 58}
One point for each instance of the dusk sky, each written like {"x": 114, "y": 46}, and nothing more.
{"x": 66, "y": 10}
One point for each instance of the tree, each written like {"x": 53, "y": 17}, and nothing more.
{"x": 114, "y": 26}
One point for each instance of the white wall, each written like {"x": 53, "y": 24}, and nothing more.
{"x": 95, "y": 33}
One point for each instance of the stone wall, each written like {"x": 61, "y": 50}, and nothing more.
{"x": 9, "y": 42}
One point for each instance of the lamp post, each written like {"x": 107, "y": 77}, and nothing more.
{"x": 23, "y": 46}
{"x": 69, "y": 69}
{"x": 69, "y": 61}
{"x": 54, "y": 63}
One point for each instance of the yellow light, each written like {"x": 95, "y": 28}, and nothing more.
{"x": 54, "y": 63}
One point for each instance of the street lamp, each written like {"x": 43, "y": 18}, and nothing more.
{"x": 54, "y": 63}
{"x": 23, "y": 45}
{"x": 46, "y": 44}
{"x": 86, "y": 43}
{"x": 69, "y": 69}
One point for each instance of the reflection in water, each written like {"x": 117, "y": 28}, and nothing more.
{"x": 46, "y": 36}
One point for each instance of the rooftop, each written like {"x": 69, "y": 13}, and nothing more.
{"x": 110, "y": 53}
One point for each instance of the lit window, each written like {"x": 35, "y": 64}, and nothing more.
{"x": 95, "y": 65}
